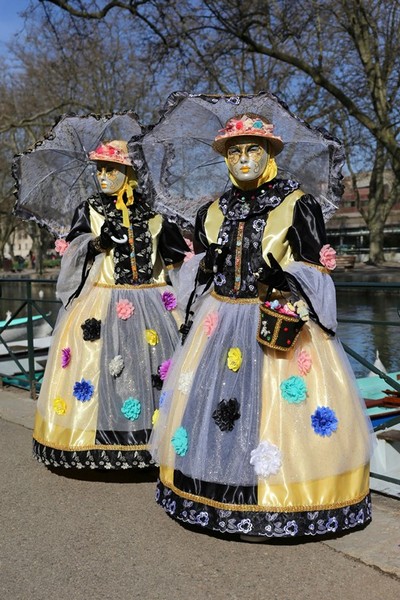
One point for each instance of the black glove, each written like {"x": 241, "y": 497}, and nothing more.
{"x": 273, "y": 276}
{"x": 105, "y": 240}
{"x": 103, "y": 243}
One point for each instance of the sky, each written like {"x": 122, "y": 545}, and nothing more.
{"x": 11, "y": 23}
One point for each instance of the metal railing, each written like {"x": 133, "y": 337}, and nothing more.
{"x": 27, "y": 378}
{"x": 32, "y": 304}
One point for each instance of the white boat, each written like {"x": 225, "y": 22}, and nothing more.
{"x": 12, "y": 330}
{"x": 383, "y": 407}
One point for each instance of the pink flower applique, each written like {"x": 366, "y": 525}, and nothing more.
{"x": 327, "y": 257}
{"x": 169, "y": 300}
{"x": 60, "y": 246}
{"x": 190, "y": 254}
{"x": 304, "y": 362}
{"x": 164, "y": 368}
{"x": 65, "y": 357}
{"x": 210, "y": 323}
{"x": 125, "y": 309}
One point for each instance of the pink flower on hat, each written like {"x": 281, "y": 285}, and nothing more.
{"x": 327, "y": 257}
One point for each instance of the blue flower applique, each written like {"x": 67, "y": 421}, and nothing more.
{"x": 83, "y": 390}
{"x": 131, "y": 409}
{"x": 180, "y": 441}
{"x": 324, "y": 421}
{"x": 164, "y": 397}
{"x": 294, "y": 389}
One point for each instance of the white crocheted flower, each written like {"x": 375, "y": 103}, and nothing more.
{"x": 185, "y": 382}
{"x": 116, "y": 365}
{"x": 266, "y": 459}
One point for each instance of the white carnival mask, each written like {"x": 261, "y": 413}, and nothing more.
{"x": 111, "y": 177}
{"x": 247, "y": 160}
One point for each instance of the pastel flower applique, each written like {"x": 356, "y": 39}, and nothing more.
{"x": 210, "y": 323}
{"x": 59, "y": 406}
{"x": 294, "y": 389}
{"x": 185, "y": 382}
{"x": 190, "y": 253}
{"x": 65, "y": 357}
{"x": 151, "y": 337}
{"x": 163, "y": 398}
{"x": 91, "y": 329}
{"x": 226, "y": 414}
{"x": 164, "y": 368}
{"x": 116, "y": 365}
{"x": 304, "y": 362}
{"x": 169, "y": 300}
{"x": 327, "y": 257}
{"x": 83, "y": 390}
{"x": 266, "y": 459}
{"x": 180, "y": 441}
{"x": 324, "y": 421}
{"x": 131, "y": 409}
{"x": 155, "y": 416}
{"x": 234, "y": 359}
{"x": 125, "y": 309}
{"x": 61, "y": 246}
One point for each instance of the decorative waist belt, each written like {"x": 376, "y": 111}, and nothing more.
{"x": 129, "y": 286}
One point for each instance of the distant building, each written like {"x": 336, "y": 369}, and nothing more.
{"x": 347, "y": 230}
{"x": 19, "y": 244}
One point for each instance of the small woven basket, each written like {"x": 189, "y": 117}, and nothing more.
{"x": 277, "y": 330}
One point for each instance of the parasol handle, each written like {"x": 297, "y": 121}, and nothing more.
{"x": 122, "y": 240}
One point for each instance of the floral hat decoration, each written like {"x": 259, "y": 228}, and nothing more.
{"x": 248, "y": 124}
{"x": 114, "y": 151}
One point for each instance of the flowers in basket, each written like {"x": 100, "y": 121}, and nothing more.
{"x": 280, "y": 324}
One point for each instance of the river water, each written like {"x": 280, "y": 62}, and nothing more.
{"x": 355, "y": 304}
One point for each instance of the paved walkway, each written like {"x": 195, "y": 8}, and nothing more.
{"x": 81, "y": 536}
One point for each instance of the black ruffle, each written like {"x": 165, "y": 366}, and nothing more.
{"x": 263, "y": 523}
{"x": 92, "y": 459}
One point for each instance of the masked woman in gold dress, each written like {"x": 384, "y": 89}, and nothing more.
{"x": 114, "y": 338}
{"x": 261, "y": 431}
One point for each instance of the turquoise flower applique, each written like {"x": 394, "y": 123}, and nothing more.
{"x": 83, "y": 390}
{"x": 131, "y": 409}
{"x": 180, "y": 441}
{"x": 258, "y": 124}
{"x": 294, "y": 389}
{"x": 324, "y": 421}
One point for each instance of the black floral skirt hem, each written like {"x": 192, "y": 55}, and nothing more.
{"x": 267, "y": 524}
{"x": 92, "y": 459}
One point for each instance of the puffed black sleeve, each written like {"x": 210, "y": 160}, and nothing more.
{"x": 172, "y": 246}
{"x": 307, "y": 234}
{"x": 200, "y": 242}
{"x": 80, "y": 222}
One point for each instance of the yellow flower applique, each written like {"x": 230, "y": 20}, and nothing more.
{"x": 60, "y": 406}
{"x": 155, "y": 416}
{"x": 151, "y": 337}
{"x": 234, "y": 359}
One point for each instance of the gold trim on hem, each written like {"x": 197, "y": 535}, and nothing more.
{"x": 261, "y": 508}
{"x": 318, "y": 267}
{"x": 91, "y": 447}
{"x": 235, "y": 300}
{"x": 130, "y": 286}
{"x": 173, "y": 266}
